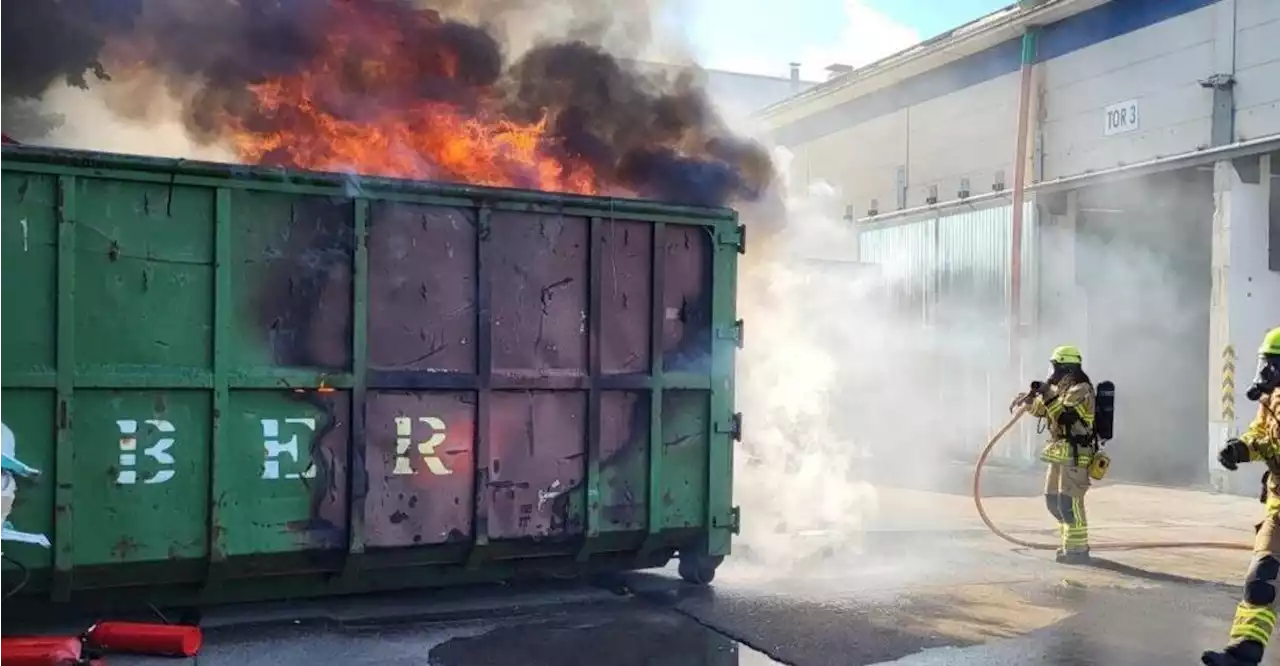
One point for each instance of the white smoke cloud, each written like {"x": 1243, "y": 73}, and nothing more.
{"x": 842, "y": 388}
{"x": 90, "y": 124}
{"x": 795, "y": 470}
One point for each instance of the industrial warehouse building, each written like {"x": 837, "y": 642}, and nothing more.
{"x": 737, "y": 96}
{"x": 1102, "y": 172}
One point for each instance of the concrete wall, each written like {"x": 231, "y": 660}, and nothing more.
{"x": 962, "y": 135}
{"x": 959, "y": 119}
{"x": 1160, "y": 66}
{"x": 1244, "y": 308}
{"x": 738, "y": 96}
{"x": 1254, "y": 290}
{"x": 938, "y": 142}
{"x": 1257, "y": 63}
{"x": 862, "y": 161}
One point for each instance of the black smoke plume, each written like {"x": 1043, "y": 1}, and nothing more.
{"x": 664, "y": 142}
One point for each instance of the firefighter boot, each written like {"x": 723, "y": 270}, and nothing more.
{"x": 1072, "y": 557}
{"x": 1245, "y": 653}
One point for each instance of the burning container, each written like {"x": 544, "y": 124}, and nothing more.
{"x": 260, "y": 383}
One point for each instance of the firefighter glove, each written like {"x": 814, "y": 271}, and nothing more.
{"x": 1233, "y": 453}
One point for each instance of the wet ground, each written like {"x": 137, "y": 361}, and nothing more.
{"x": 933, "y": 589}
{"x": 624, "y": 635}
{"x": 912, "y": 601}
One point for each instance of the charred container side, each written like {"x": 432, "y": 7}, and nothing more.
{"x": 247, "y": 383}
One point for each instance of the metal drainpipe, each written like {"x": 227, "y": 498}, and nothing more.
{"x": 1020, "y": 184}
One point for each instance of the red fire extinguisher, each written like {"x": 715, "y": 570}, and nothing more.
{"x": 40, "y": 651}
{"x": 160, "y": 640}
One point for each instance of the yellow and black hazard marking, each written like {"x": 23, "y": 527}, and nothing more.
{"x": 1229, "y": 384}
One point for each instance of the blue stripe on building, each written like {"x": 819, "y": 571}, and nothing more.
{"x": 1097, "y": 25}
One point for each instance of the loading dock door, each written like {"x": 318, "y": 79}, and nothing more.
{"x": 1143, "y": 259}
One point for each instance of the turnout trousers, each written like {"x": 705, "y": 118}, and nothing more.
{"x": 1255, "y": 618}
{"x": 1065, "y": 486}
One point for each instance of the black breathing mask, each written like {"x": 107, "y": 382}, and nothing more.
{"x": 1266, "y": 380}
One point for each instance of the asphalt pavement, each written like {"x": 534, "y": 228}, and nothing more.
{"x": 959, "y": 600}
{"x": 924, "y": 587}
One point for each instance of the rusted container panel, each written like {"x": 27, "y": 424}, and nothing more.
{"x": 422, "y": 287}
{"x": 248, "y": 383}
{"x": 627, "y": 288}
{"x": 539, "y": 287}
{"x": 536, "y": 464}
{"x": 624, "y": 460}
{"x": 686, "y": 300}
{"x": 419, "y": 456}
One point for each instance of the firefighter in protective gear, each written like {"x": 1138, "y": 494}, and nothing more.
{"x": 1066, "y": 401}
{"x": 1255, "y": 617}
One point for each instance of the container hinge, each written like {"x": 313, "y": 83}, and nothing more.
{"x": 734, "y": 331}
{"x": 731, "y": 426}
{"x": 734, "y": 522}
{"x": 736, "y": 238}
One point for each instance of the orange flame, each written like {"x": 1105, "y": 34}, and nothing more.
{"x": 370, "y": 71}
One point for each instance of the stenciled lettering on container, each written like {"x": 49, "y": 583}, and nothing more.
{"x": 426, "y": 448}
{"x": 159, "y": 452}
{"x": 274, "y": 447}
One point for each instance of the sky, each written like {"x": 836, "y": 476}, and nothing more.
{"x": 763, "y": 36}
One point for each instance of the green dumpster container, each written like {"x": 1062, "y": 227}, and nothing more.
{"x": 245, "y": 383}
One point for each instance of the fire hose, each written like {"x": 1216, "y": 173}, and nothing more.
{"x": 1119, "y": 545}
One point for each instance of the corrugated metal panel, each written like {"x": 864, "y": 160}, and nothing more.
{"x": 954, "y": 263}
{"x": 954, "y": 271}
{"x": 973, "y": 263}
{"x": 906, "y": 254}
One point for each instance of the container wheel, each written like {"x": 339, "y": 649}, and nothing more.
{"x": 699, "y": 569}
